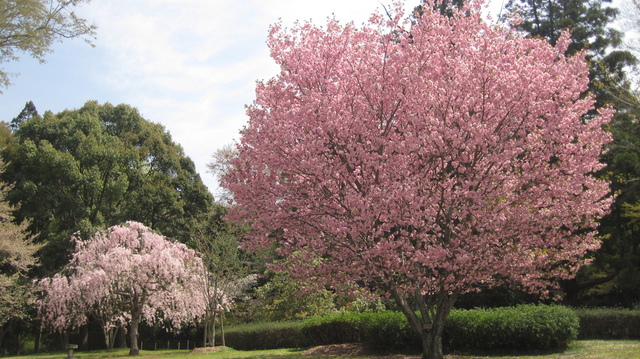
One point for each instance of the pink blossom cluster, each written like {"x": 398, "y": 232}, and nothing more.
{"x": 436, "y": 154}
{"x": 126, "y": 273}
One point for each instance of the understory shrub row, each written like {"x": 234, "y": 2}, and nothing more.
{"x": 381, "y": 330}
{"x": 262, "y": 336}
{"x": 518, "y": 328}
{"x": 606, "y": 323}
{"x": 524, "y": 327}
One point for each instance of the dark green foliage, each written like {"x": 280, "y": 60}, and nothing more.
{"x": 524, "y": 327}
{"x": 334, "y": 329}
{"x": 388, "y": 331}
{"x": 385, "y": 330}
{"x": 607, "y": 323}
{"x": 98, "y": 166}
{"x": 29, "y": 111}
{"x": 261, "y": 336}
{"x": 494, "y": 297}
{"x": 589, "y": 22}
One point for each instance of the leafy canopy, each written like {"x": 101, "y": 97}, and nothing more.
{"x": 32, "y": 26}
{"x": 422, "y": 158}
{"x": 95, "y": 167}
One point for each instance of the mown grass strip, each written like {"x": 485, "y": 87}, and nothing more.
{"x": 582, "y": 349}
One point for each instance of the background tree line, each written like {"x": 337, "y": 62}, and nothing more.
{"x": 100, "y": 165}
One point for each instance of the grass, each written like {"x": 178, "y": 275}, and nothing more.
{"x": 582, "y": 349}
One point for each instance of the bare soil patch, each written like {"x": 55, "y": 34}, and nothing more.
{"x": 339, "y": 350}
{"x": 358, "y": 350}
{"x": 206, "y": 350}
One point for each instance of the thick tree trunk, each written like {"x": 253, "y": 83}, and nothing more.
{"x": 133, "y": 334}
{"x": 210, "y": 330}
{"x": 137, "y": 304}
{"x": 430, "y": 324}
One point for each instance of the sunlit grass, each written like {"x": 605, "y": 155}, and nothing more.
{"x": 583, "y": 349}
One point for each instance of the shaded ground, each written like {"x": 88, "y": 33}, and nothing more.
{"x": 357, "y": 350}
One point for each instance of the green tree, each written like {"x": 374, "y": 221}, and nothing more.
{"x": 589, "y": 22}
{"x": 27, "y": 112}
{"x": 32, "y": 26}
{"x": 229, "y": 269}
{"x": 97, "y": 166}
{"x": 17, "y": 257}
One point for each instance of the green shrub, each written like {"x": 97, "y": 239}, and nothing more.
{"x": 336, "y": 328}
{"x": 260, "y": 336}
{"x": 380, "y": 330}
{"x": 608, "y": 323}
{"x": 523, "y": 327}
{"x": 388, "y": 331}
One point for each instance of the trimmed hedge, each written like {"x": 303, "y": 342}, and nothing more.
{"x": 606, "y": 323}
{"x": 381, "y": 330}
{"x": 261, "y": 336}
{"x": 524, "y": 327}
{"x": 334, "y": 329}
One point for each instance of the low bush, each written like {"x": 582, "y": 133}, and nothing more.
{"x": 388, "y": 331}
{"x": 261, "y": 336}
{"x": 524, "y": 327}
{"x": 333, "y": 329}
{"x": 608, "y": 323}
{"x": 380, "y": 330}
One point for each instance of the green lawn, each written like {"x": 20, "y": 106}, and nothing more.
{"x": 591, "y": 349}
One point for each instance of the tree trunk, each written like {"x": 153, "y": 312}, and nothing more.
{"x": 222, "y": 327}
{"x": 430, "y": 324}
{"x": 133, "y": 334}
{"x": 84, "y": 337}
{"x": 137, "y": 304}
{"x": 2, "y": 334}
{"x": 213, "y": 328}
{"x": 110, "y": 334}
{"x": 136, "y": 312}
{"x": 36, "y": 344}
{"x": 121, "y": 333}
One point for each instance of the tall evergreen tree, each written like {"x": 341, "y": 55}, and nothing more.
{"x": 29, "y": 111}
{"x": 589, "y": 22}
{"x": 95, "y": 167}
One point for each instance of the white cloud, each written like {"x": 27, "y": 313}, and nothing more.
{"x": 192, "y": 64}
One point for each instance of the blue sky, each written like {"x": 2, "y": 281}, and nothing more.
{"x": 190, "y": 65}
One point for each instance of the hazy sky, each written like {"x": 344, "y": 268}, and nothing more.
{"x": 190, "y": 65}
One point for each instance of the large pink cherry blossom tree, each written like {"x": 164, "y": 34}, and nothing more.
{"x": 123, "y": 275}
{"x": 423, "y": 158}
